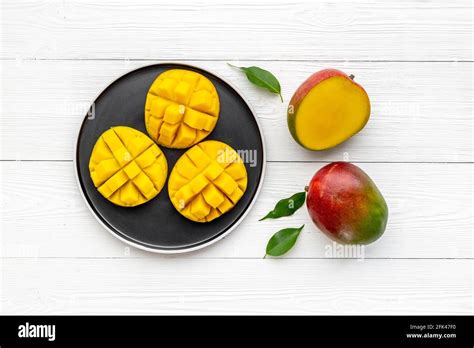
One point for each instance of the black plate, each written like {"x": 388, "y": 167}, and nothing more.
{"x": 156, "y": 225}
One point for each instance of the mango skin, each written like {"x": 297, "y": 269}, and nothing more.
{"x": 301, "y": 93}
{"x": 346, "y": 205}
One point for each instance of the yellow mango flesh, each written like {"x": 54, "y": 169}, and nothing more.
{"x": 127, "y": 167}
{"x": 332, "y": 111}
{"x": 182, "y": 108}
{"x": 207, "y": 181}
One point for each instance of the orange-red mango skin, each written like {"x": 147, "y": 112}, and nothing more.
{"x": 303, "y": 90}
{"x": 346, "y": 205}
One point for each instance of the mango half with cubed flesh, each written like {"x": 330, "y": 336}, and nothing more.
{"x": 182, "y": 108}
{"x": 327, "y": 109}
{"x": 207, "y": 181}
{"x": 127, "y": 167}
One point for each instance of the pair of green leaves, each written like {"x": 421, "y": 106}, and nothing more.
{"x": 285, "y": 239}
{"x": 261, "y": 78}
{"x": 282, "y": 241}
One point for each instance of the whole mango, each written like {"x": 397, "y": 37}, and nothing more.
{"x": 346, "y": 205}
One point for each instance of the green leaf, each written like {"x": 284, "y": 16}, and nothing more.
{"x": 287, "y": 206}
{"x": 261, "y": 78}
{"x": 282, "y": 241}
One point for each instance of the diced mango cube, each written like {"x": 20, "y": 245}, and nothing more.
{"x": 186, "y": 168}
{"x": 204, "y": 84}
{"x": 168, "y": 130}
{"x": 132, "y": 170}
{"x": 166, "y": 88}
{"x": 199, "y": 207}
{"x": 202, "y": 101}
{"x": 177, "y": 182}
{"x": 191, "y": 184}
{"x": 216, "y": 150}
{"x": 198, "y": 157}
{"x": 191, "y": 77}
{"x": 175, "y": 74}
{"x": 199, "y": 120}
{"x": 213, "y": 170}
{"x": 112, "y": 140}
{"x": 213, "y": 196}
{"x": 184, "y": 137}
{"x": 101, "y": 152}
{"x": 113, "y": 184}
{"x": 158, "y": 106}
{"x": 173, "y": 114}
{"x": 242, "y": 182}
{"x": 145, "y": 185}
{"x": 226, "y": 183}
{"x": 126, "y": 135}
{"x": 236, "y": 170}
{"x": 122, "y": 156}
{"x": 198, "y": 183}
{"x": 147, "y": 157}
{"x": 186, "y": 211}
{"x": 155, "y": 150}
{"x": 154, "y": 125}
{"x": 213, "y": 214}
{"x": 182, "y": 92}
{"x": 165, "y": 140}
{"x": 227, "y": 157}
{"x": 158, "y": 180}
{"x": 209, "y": 124}
{"x": 136, "y": 146}
{"x": 104, "y": 170}
{"x": 225, "y": 206}
{"x": 236, "y": 195}
{"x": 184, "y": 195}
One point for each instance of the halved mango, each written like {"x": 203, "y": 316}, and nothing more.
{"x": 127, "y": 167}
{"x": 207, "y": 181}
{"x": 327, "y": 109}
{"x": 182, "y": 108}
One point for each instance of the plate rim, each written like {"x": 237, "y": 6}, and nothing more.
{"x": 183, "y": 250}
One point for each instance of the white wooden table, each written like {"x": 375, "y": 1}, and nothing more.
{"x": 415, "y": 59}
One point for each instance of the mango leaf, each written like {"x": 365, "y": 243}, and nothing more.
{"x": 261, "y": 78}
{"x": 282, "y": 241}
{"x": 286, "y": 206}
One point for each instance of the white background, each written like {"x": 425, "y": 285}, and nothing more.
{"x": 413, "y": 57}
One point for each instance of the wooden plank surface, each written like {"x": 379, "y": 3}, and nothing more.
{"x": 421, "y": 112}
{"x": 192, "y": 29}
{"x": 415, "y": 59}
{"x": 177, "y": 286}
{"x": 430, "y": 214}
